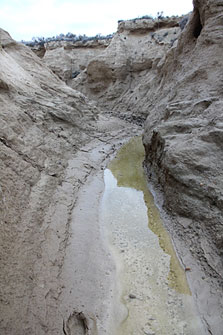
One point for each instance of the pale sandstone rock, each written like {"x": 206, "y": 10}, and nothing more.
{"x": 110, "y": 72}
{"x": 183, "y": 140}
{"x": 52, "y": 142}
{"x": 67, "y": 59}
{"x": 43, "y": 122}
{"x": 142, "y": 73}
{"x": 112, "y": 78}
{"x": 145, "y": 25}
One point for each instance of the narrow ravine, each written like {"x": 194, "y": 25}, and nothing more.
{"x": 151, "y": 281}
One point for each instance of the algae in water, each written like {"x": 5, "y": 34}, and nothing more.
{"x": 127, "y": 168}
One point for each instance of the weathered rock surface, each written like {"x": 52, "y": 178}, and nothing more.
{"x": 113, "y": 77}
{"x": 43, "y": 122}
{"x": 183, "y": 139}
{"x": 69, "y": 59}
{"x": 51, "y": 142}
{"x": 111, "y": 72}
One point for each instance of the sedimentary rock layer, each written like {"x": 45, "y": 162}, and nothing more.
{"x": 184, "y": 133}
{"x": 113, "y": 72}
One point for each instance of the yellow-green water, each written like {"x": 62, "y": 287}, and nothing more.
{"x": 127, "y": 169}
{"x": 154, "y": 294}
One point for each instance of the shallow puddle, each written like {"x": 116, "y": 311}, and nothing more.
{"x": 153, "y": 284}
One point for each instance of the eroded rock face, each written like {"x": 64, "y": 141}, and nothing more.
{"x": 114, "y": 78}
{"x": 69, "y": 59}
{"x": 43, "y": 122}
{"x": 110, "y": 72}
{"x": 142, "y": 73}
{"x": 184, "y": 132}
{"x": 54, "y": 145}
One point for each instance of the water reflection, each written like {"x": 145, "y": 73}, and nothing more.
{"x": 128, "y": 171}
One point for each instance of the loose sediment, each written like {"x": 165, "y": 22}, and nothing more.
{"x": 88, "y": 274}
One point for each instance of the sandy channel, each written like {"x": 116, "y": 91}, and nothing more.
{"x": 121, "y": 271}
{"x": 82, "y": 280}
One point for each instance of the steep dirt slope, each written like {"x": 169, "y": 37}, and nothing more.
{"x": 49, "y": 145}
{"x": 43, "y": 122}
{"x": 183, "y": 140}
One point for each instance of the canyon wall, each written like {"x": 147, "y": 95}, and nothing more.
{"x": 54, "y": 146}
{"x": 165, "y": 72}
{"x": 43, "y": 124}
{"x": 69, "y": 59}
{"x": 113, "y": 73}
{"x": 184, "y": 133}
{"x": 183, "y": 139}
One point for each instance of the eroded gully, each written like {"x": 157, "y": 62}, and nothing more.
{"x": 153, "y": 296}
{"x": 120, "y": 272}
